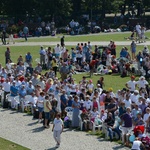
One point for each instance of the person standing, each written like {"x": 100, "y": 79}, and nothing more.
{"x": 11, "y": 38}
{"x": 40, "y": 105}
{"x": 57, "y": 129}
{"x": 3, "y": 37}
{"x": 131, "y": 85}
{"x": 25, "y": 31}
{"x": 7, "y": 55}
{"x": 133, "y": 49}
{"x": 54, "y": 65}
{"x": 47, "y": 109}
{"x": 42, "y": 57}
{"x": 62, "y": 41}
{"x": 76, "y": 110}
{"x": 64, "y": 71}
{"x": 28, "y": 58}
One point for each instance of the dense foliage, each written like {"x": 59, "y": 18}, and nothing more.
{"x": 63, "y": 9}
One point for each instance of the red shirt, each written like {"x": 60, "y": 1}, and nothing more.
{"x": 93, "y": 62}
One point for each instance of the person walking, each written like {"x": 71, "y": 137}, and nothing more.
{"x": 25, "y": 31}
{"x": 57, "y": 129}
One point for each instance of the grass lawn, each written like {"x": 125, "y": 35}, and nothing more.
{"x": 88, "y": 37}
{"x": 16, "y": 51}
{"x": 114, "y": 81}
{"x": 8, "y": 145}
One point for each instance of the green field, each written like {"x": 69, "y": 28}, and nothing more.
{"x": 114, "y": 81}
{"x": 88, "y": 37}
{"x": 8, "y": 145}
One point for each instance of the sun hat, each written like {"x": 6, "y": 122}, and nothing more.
{"x": 142, "y": 77}
{"x": 136, "y": 91}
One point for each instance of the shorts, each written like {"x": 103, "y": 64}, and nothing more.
{"x": 57, "y": 55}
{"x": 47, "y": 115}
{"x": 126, "y": 130}
{"x": 40, "y": 109}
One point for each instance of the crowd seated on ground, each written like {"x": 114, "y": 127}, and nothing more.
{"x": 83, "y": 103}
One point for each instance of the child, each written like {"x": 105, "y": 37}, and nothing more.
{"x": 57, "y": 128}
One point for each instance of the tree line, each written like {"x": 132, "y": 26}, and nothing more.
{"x": 72, "y": 8}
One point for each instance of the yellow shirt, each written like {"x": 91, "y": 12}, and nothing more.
{"x": 49, "y": 105}
{"x": 54, "y": 64}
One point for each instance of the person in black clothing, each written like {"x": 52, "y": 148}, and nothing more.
{"x": 50, "y": 57}
{"x": 62, "y": 42}
{"x": 3, "y": 37}
{"x": 107, "y": 99}
{"x": 7, "y": 55}
{"x": 112, "y": 107}
{"x": 101, "y": 82}
{"x": 104, "y": 57}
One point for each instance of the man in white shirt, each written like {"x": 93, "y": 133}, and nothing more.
{"x": 127, "y": 101}
{"x": 33, "y": 101}
{"x": 6, "y": 86}
{"x": 142, "y": 82}
{"x": 131, "y": 85}
{"x": 57, "y": 51}
{"x": 87, "y": 104}
{"x": 138, "y": 28}
{"x": 134, "y": 97}
{"x": 146, "y": 116}
{"x": 42, "y": 53}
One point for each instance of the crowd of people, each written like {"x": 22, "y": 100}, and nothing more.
{"x": 128, "y": 108}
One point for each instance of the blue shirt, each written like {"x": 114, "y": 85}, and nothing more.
{"x": 70, "y": 103}
{"x": 30, "y": 90}
{"x": 14, "y": 90}
{"x": 28, "y": 57}
{"x": 22, "y": 92}
{"x": 123, "y": 53}
{"x": 63, "y": 100}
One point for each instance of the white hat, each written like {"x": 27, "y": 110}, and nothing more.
{"x": 142, "y": 77}
{"x": 136, "y": 91}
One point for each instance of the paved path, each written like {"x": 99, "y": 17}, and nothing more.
{"x": 123, "y": 43}
{"x": 21, "y": 129}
